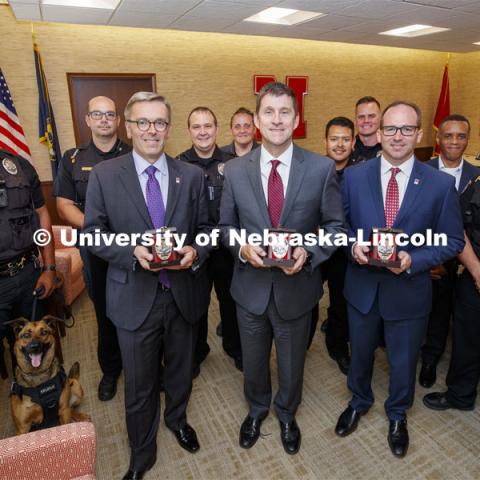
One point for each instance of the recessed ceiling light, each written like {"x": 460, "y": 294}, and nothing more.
{"x": 104, "y": 4}
{"x": 414, "y": 31}
{"x": 283, "y": 16}
{"x": 476, "y": 43}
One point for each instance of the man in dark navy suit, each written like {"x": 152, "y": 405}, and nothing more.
{"x": 452, "y": 138}
{"x": 397, "y": 191}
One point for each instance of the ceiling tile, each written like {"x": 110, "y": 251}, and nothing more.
{"x": 167, "y": 7}
{"x": 96, "y": 16}
{"x": 142, "y": 19}
{"x": 24, "y": 11}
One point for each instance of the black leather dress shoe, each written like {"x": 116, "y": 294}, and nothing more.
{"x": 398, "y": 437}
{"x": 347, "y": 422}
{"x": 428, "y": 375}
{"x": 249, "y": 432}
{"x": 187, "y": 438}
{"x": 439, "y": 401}
{"x": 107, "y": 388}
{"x": 343, "y": 362}
{"x": 291, "y": 437}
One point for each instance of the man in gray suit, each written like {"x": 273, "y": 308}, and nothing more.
{"x": 134, "y": 193}
{"x": 276, "y": 185}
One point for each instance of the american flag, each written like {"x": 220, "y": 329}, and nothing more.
{"x": 12, "y": 136}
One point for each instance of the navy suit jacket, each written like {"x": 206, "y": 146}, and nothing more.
{"x": 469, "y": 171}
{"x": 430, "y": 202}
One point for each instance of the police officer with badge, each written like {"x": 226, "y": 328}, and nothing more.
{"x": 202, "y": 127}
{"x": 70, "y": 190}
{"x": 22, "y": 213}
{"x": 464, "y": 372}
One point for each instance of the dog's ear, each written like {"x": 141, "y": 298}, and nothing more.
{"x": 51, "y": 321}
{"x": 17, "y": 324}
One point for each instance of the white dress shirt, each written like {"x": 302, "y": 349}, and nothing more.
{"x": 402, "y": 177}
{"x": 456, "y": 172}
{"x": 161, "y": 174}
{"x": 283, "y": 168}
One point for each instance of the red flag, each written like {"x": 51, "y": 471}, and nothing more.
{"x": 443, "y": 106}
{"x": 12, "y": 136}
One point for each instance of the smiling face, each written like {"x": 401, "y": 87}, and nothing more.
{"x": 104, "y": 127}
{"x": 339, "y": 143}
{"x": 452, "y": 139}
{"x": 367, "y": 119}
{"x": 149, "y": 144}
{"x": 243, "y": 129}
{"x": 276, "y": 119}
{"x": 398, "y": 148}
{"x": 203, "y": 132}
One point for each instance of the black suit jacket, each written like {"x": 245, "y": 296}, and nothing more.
{"x": 115, "y": 204}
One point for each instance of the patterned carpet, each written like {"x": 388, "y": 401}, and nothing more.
{"x": 443, "y": 445}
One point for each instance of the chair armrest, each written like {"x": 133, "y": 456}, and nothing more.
{"x": 59, "y": 453}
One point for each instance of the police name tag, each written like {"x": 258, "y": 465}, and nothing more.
{"x": 86, "y": 169}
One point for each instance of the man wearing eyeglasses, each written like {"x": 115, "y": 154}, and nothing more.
{"x": 154, "y": 310}
{"x": 70, "y": 189}
{"x": 394, "y": 191}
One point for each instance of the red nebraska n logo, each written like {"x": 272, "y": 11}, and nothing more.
{"x": 299, "y": 85}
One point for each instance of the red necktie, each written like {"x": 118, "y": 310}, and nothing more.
{"x": 275, "y": 194}
{"x": 392, "y": 199}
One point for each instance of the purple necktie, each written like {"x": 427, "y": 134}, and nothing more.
{"x": 156, "y": 209}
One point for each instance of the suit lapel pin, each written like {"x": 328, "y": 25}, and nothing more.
{"x": 416, "y": 181}
{"x": 177, "y": 179}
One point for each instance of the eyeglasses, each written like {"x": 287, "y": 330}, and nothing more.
{"x": 405, "y": 130}
{"x": 98, "y": 115}
{"x": 144, "y": 125}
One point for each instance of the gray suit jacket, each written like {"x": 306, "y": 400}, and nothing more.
{"x": 115, "y": 204}
{"x": 312, "y": 199}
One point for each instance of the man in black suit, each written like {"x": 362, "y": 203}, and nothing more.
{"x": 452, "y": 138}
{"x": 134, "y": 193}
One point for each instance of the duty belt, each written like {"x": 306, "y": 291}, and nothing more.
{"x": 16, "y": 265}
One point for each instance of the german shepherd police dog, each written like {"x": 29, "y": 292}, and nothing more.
{"x": 42, "y": 395}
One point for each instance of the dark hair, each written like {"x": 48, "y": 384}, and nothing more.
{"x": 340, "y": 122}
{"x": 407, "y": 104}
{"x": 243, "y": 110}
{"x": 204, "y": 110}
{"x": 277, "y": 89}
{"x": 367, "y": 99}
{"x": 455, "y": 117}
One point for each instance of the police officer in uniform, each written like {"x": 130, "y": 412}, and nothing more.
{"x": 22, "y": 212}
{"x": 367, "y": 121}
{"x": 243, "y": 132}
{"x": 70, "y": 190}
{"x": 452, "y": 138}
{"x": 464, "y": 372}
{"x": 202, "y": 127}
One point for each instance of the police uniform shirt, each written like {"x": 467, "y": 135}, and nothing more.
{"x": 22, "y": 195}
{"x": 470, "y": 205}
{"x": 75, "y": 168}
{"x": 229, "y": 149}
{"x": 362, "y": 152}
{"x": 213, "y": 173}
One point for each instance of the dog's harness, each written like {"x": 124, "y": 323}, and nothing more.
{"x": 47, "y": 395}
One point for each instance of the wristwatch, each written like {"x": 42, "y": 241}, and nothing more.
{"x": 49, "y": 268}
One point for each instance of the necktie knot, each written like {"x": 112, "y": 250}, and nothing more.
{"x": 151, "y": 170}
{"x": 395, "y": 171}
{"x": 275, "y": 164}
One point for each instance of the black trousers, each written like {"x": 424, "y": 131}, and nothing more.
{"x": 163, "y": 331}
{"x": 439, "y": 319}
{"x": 291, "y": 337}
{"x": 336, "y": 335}
{"x": 464, "y": 372}
{"x": 108, "y": 351}
{"x": 220, "y": 272}
{"x": 16, "y": 300}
